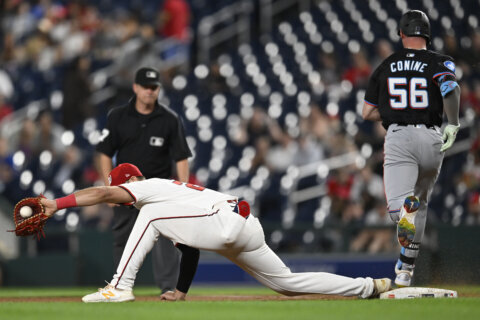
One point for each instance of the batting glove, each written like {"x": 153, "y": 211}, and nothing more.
{"x": 449, "y": 134}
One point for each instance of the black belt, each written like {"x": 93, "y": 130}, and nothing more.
{"x": 418, "y": 125}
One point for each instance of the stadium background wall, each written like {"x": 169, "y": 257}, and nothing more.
{"x": 92, "y": 263}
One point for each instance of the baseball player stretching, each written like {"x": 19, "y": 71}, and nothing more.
{"x": 409, "y": 92}
{"x": 201, "y": 218}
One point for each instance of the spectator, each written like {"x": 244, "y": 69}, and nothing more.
{"x": 174, "y": 22}
{"x": 378, "y": 236}
{"x": 48, "y": 135}
{"x": 76, "y": 93}
{"x": 473, "y": 210}
{"x": 329, "y": 69}
{"x": 383, "y": 49}
{"x": 359, "y": 71}
{"x": 5, "y": 108}
{"x": 6, "y": 86}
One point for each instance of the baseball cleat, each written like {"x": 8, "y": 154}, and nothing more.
{"x": 380, "y": 286}
{"x": 406, "y": 225}
{"x": 403, "y": 278}
{"x": 109, "y": 294}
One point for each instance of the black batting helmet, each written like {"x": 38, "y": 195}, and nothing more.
{"x": 414, "y": 23}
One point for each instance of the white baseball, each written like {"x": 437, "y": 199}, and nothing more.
{"x": 26, "y": 211}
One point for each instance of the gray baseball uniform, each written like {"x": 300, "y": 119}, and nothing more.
{"x": 408, "y": 90}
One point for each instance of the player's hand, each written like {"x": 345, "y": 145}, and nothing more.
{"x": 49, "y": 205}
{"x": 449, "y": 135}
{"x": 173, "y": 296}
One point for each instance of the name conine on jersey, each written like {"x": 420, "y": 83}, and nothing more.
{"x": 408, "y": 65}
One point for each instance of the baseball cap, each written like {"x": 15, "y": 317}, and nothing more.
{"x": 147, "y": 77}
{"x": 122, "y": 173}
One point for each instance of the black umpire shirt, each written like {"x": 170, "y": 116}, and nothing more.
{"x": 150, "y": 141}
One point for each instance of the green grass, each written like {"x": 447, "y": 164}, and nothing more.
{"x": 462, "y": 308}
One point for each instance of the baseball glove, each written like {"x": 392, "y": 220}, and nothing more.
{"x": 32, "y": 224}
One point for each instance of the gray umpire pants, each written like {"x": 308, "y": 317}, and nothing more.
{"x": 411, "y": 167}
{"x": 165, "y": 257}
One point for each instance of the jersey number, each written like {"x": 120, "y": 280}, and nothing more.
{"x": 411, "y": 94}
{"x": 189, "y": 185}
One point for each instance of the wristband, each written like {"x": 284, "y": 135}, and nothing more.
{"x": 66, "y": 202}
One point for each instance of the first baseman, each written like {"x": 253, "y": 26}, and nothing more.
{"x": 198, "y": 217}
{"x": 409, "y": 92}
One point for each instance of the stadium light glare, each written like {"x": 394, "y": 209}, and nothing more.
{"x": 233, "y": 173}
{"x": 246, "y": 111}
{"x": 39, "y": 187}
{"x": 244, "y": 49}
{"x": 308, "y": 237}
{"x": 249, "y": 152}
{"x": 219, "y": 112}
{"x": 204, "y": 122}
{"x": 291, "y": 89}
{"x": 45, "y": 158}
{"x": 276, "y": 237}
{"x": 305, "y": 17}
{"x": 245, "y": 164}
{"x": 179, "y": 82}
{"x": 219, "y": 143}
{"x": 203, "y": 175}
{"x": 59, "y": 215}
{"x": 226, "y": 70}
{"x": 192, "y": 114}
{"x": 247, "y": 99}
{"x": 72, "y": 221}
{"x": 215, "y": 165}
{"x": 304, "y": 110}
{"x": 224, "y": 183}
{"x": 26, "y": 178}
{"x": 191, "y": 141}
{"x": 233, "y": 81}
{"x": 56, "y": 99}
{"x": 18, "y": 159}
{"x": 271, "y": 49}
{"x": 264, "y": 90}
{"x": 473, "y": 21}
{"x": 205, "y": 135}
{"x": 327, "y": 47}
{"x": 201, "y": 71}
{"x": 190, "y": 101}
{"x": 68, "y": 186}
{"x": 263, "y": 172}
{"x": 285, "y": 28}
{"x": 288, "y": 218}
{"x": 219, "y": 99}
{"x": 316, "y": 38}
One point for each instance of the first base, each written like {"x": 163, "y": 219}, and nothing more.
{"x": 415, "y": 293}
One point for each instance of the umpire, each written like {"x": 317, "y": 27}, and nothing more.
{"x": 150, "y": 136}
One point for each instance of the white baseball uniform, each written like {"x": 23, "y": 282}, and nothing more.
{"x": 203, "y": 218}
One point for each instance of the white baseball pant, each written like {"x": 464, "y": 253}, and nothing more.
{"x": 241, "y": 240}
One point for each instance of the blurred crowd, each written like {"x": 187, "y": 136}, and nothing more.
{"x": 51, "y": 50}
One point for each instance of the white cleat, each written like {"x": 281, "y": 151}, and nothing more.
{"x": 404, "y": 278}
{"x": 109, "y": 294}
{"x": 380, "y": 286}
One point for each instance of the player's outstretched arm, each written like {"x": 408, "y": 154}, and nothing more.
{"x": 87, "y": 197}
